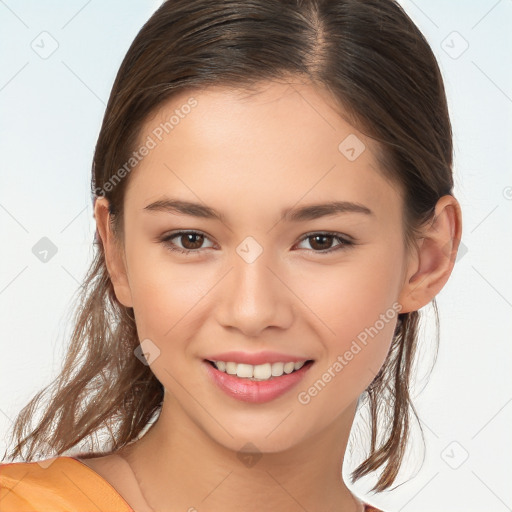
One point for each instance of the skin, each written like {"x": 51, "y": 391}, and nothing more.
{"x": 250, "y": 156}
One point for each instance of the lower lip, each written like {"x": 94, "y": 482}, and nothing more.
{"x": 255, "y": 391}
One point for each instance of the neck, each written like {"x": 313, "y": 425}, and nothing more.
{"x": 180, "y": 467}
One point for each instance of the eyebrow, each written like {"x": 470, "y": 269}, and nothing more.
{"x": 304, "y": 213}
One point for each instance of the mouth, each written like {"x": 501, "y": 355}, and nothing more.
{"x": 252, "y": 383}
{"x": 261, "y": 372}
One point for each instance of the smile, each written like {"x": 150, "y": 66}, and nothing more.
{"x": 256, "y": 383}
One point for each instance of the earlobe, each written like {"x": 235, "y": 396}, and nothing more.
{"x": 114, "y": 260}
{"x": 437, "y": 249}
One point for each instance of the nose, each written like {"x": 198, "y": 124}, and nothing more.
{"x": 255, "y": 295}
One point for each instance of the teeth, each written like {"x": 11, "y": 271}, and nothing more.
{"x": 289, "y": 367}
{"x": 277, "y": 369}
{"x": 258, "y": 372}
{"x": 230, "y": 368}
{"x": 262, "y": 371}
{"x": 244, "y": 370}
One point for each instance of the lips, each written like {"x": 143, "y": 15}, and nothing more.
{"x": 255, "y": 390}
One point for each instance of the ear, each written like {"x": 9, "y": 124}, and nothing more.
{"x": 114, "y": 253}
{"x": 430, "y": 267}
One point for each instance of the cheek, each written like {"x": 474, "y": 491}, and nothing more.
{"x": 164, "y": 294}
{"x": 349, "y": 296}
{"x": 165, "y": 305}
{"x": 361, "y": 321}
{"x": 354, "y": 304}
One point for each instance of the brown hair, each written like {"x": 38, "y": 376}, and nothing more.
{"x": 375, "y": 63}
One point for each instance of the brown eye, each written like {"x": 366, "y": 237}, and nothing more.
{"x": 191, "y": 240}
{"x": 322, "y": 242}
{"x": 188, "y": 242}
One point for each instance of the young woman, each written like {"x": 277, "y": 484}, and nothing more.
{"x": 274, "y": 204}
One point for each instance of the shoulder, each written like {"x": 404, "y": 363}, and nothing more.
{"x": 369, "y": 508}
{"x": 62, "y": 483}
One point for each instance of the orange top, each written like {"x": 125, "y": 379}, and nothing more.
{"x": 61, "y": 484}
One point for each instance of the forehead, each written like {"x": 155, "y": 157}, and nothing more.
{"x": 277, "y": 144}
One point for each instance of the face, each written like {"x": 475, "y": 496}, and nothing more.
{"x": 265, "y": 273}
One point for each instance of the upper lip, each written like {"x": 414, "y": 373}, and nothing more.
{"x": 256, "y": 358}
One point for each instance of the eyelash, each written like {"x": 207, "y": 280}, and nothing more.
{"x": 344, "y": 242}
